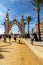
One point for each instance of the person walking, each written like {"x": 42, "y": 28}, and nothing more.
{"x": 0, "y": 36}
{"x": 32, "y": 38}
{"x": 9, "y": 38}
{"x": 15, "y": 38}
{"x": 4, "y": 36}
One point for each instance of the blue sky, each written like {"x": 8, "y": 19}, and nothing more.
{"x": 16, "y": 10}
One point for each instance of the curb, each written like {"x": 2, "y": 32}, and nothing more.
{"x": 36, "y": 51}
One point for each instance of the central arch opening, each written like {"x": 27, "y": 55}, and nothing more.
{"x": 15, "y": 29}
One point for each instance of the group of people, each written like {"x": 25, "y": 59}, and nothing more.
{"x": 15, "y": 38}
{"x": 8, "y": 36}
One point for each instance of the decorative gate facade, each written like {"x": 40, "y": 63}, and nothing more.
{"x": 8, "y": 25}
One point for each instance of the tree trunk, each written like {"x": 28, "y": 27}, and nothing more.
{"x": 39, "y": 25}
{"x": 28, "y": 30}
{"x": 24, "y": 30}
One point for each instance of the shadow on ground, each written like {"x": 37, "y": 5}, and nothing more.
{"x": 6, "y": 45}
{"x": 1, "y": 56}
{"x": 3, "y": 50}
{"x": 39, "y": 45}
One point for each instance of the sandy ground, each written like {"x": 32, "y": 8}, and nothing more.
{"x": 14, "y": 53}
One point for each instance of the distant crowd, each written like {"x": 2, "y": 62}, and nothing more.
{"x": 4, "y": 36}
{"x": 7, "y": 36}
{"x": 32, "y": 37}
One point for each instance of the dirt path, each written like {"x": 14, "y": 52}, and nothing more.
{"x": 17, "y": 54}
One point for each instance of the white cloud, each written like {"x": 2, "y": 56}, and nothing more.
{"x": 1, "y": 15}
{"x": 2, "y": 11}
{"x": 2, "y": 7}
{"x": 1, "y": 29}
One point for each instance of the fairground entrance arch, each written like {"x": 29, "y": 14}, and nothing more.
{"x": 8, "y": 25}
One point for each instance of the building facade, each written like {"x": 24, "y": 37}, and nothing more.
{"x": 41, "y": 28}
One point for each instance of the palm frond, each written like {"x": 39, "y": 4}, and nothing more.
{"x": 33, "y": 3}
{"x": 37, "y": 3}
{"x": 29, "y": 18}
{"x": 41, "y": 3}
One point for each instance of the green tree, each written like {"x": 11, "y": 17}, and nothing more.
{"x": 38, "y": 4}
{"x": 29, "y": 18}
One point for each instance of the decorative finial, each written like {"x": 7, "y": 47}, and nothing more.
{"x": 8, "y": 9}
{"x": 22, "y": 13}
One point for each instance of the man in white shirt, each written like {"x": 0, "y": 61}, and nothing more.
{"x": 32, "y": 38}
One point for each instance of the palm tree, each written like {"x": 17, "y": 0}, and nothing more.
{"x": 29, "y": 18}
{"x": 24, "y": 26}
{"x": 38, "y": 4}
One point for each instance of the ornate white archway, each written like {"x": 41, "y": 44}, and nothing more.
{"x": 20, "y": 26}
{"x": 9, "y": 25}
